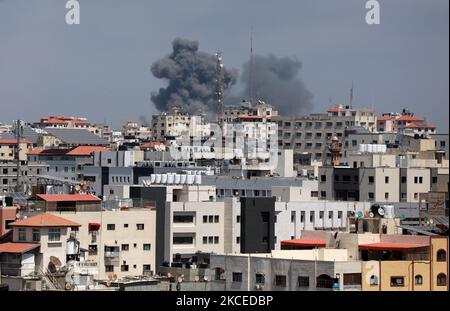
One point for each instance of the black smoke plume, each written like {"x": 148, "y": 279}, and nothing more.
{"x": 276, "y": 81}
{"x": 191, "y": 76}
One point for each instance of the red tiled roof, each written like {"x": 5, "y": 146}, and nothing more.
{"x": 68, "y": 197}
{"x": 46, "y": 151}
{"x": 383, "y": 118}
{"x": 304, "y": 242}
{"x": 17, "y": 248}
{"x": 410, "y": 118}
{"x": 54, "y": 121}
{"x": 391, "y": 246}
{"x": 44, "y": 220}
{"x": 85, "y": 150}
{"x": 61, "y": 117}
{"x": 14, "y": 141}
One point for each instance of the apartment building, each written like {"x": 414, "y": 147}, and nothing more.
{"x": 8, "y": 149}
{"x": 176, "y": 124}
{"x": 406, "y": 263}
{"x": 310, "y": 135}
{"x": 259, "y": 109}
{"x": 405, "y": 122}
{"x": 40, "y": 244}
{"x": 66, "y": 164}
{"x": 382, "y": 178}
{"x": 119, "y": 242}
{"x": 30, "y": 172}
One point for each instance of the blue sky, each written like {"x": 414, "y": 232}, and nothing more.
{"x": 101, "y": 68}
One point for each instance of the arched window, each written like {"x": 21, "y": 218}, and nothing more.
{"x": 441, "y": 279}
{"x": 373, "y": 280}
{"x": 418, "y": 279}
{"x": 441, "y": 255}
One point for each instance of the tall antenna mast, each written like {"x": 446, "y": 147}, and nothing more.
{"x": 19, "y": 131}
{"x": 251, "y": 66}
{"x": 351, "y": 96}
{"x": 219, "y": 87}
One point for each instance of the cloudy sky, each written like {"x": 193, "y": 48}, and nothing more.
{"x": 100, "y": 69}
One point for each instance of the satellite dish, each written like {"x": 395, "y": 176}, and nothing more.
{"x": 55, "y": 260}
{"x": 179, "y": 279}
{"x": 381, "y": 211}
{"x": 196, "y": 278}
{"x": 360, "y": 214}
{"x": 371, "y": 215}
{"x": 77, "y": 188}
{"x": 169, "y": 275}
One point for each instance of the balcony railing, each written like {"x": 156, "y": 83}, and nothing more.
{"x": 112, "y": 254}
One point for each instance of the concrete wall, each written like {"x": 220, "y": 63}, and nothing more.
{"x": 125, "y": 232}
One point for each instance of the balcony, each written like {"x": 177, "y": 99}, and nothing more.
{"x": 112, "y": 254}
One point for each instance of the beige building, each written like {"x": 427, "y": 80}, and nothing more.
{"x": 422, "y": 267}
{"x": 8, "y": 149}
{"x": 121, "y": 242}
{"x": 176, "y": 124}
{"x": 309, "y": 135}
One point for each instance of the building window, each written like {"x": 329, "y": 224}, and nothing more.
{"x": 22, "y": 234}
{"x": 397, "y": 281}
{"x": 205, "y": 219}
{"x": 216, "y": 240}
{"x": 147, "y": 247}
{"x": 386, "y": 179}
{"x": 139, "y": 226}
{"x": 321, "y": 215}
{"x": 323, "y": 194}
{"x": 371, "y": 179}
{"x": 210, "y": 239}
{"x": 441, "y": 279}
{"x": 330, "y": 215}
{"x": 146, "y": 268}
{"x": 292, "y": 216}
{"x": 216, "y": 218}
{"x": 416, "y": 195}
{"x": 183, "y": 218}
{"x": 110, "y": 227}
{"x": 386, "y": 195}
{"x": 374, "y": 280}
{"x": 420, "y": 180}
{"x": 124, "y": 268}
{"x": 280, "y": 280}
{"x": 403, "y": 179}
{"x": 54, "y": 234}
{"x": 238, "y": 240}
{"x": 237, "y": 277}
{"x": 125, "y": 225}
{"x": 441, "y": 255}
{"x": 311, "y": 216}
{"x": 205, "y": 240}
{"x": 36, "y": 235}
{"x": 210, "y": 218}
{"x": 323, "y": 178}
{"x": 183, "y": 240}
{"x": 125, "y": 247}
{"x": 416, "y": 180}
{"x": 303, "y": 281}
{"x": 109, "y": 268}
{"x": 339, "y": 214}
{"x": 260, "y": 279}
{"x": 418, "y": 279}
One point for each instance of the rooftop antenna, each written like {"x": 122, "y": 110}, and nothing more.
{"x": 251, "y": 66}
{"x": 219, "y": 86}
{"x": 351, "y": 96}
{"x": 19, "y": 133}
